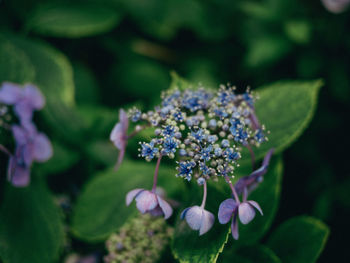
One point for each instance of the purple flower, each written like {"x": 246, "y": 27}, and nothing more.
{"x": 119, "y": 135}
{"x": 198, "y": 218}
{"x": 25, "y": 100}
{"x": 30, "y": 146}
{"x": 251, "y": 181}
{"x": 231, "y": 209}
{"x": 336, "y": 6}
{"x": 149, "y": 202}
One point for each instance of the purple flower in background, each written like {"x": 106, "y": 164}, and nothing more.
{"x": 25, "y": 100}
{"x": 119, "y": 135}
{"x": 251, "y": 181}
{"x": 149, "y": 202}
{"x": 31, "y": 145}
{"x": 198, "y": 218}
{"x": 336, "y": 6}
{"x": 232, "y": 209}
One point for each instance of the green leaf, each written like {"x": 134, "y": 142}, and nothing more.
{"x": 188, "y": 246}
{"x": 72, "y": 20}
{"x": 207, "y": 248}
{"x": 63, "y": 158}
{"x": 100, "y": 209}
{"x": 266, "y": 50}
{"x": 54, "y": 76}
{"x": 15, "y": 66}
{"x": 299, "y": 239}
{"x": 250, "y": 254}
{"x": 268, "y": 196}
{"x": 298, "y": 31}
{"x": 286, "y": 109}
{"x": 86, "y": 87}
{"x": 31, "y": 228}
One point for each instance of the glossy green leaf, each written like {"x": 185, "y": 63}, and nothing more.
{"x": 31, "y": 228}
{"x": 266, "y": 50}
{"x": 72, "y": 20}
{"x": 100, "y": 209}
{"x": 63, "y": 158}
{"x": 250, "y": 254}
{"x": 15, "y": 66}
{"x": 268, "y": 196}
{"x": 54, "y": 76}
{"x": 187, "y": 245}
{"x": 286, "y": 109}
{"x": 299, "y": 239}
{"x": 86, "y": 87}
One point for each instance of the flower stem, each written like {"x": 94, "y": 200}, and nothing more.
{"x": 234, "y": 192}
{"x": 4, "y": 150}
{"x": 204, "y": 194}
{"x": 155, "y": 178}
{"x": 252, "y": 155}
{"x": 136, "y": 131}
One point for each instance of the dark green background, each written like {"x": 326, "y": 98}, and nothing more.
{"x": 215, "y": 41}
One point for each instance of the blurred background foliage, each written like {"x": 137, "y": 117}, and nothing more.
{"x": 118, "y": 53}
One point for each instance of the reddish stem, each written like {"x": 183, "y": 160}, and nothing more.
{"x": 204, "y": 194}
{"x": 155, "y": 178}
{"x": 234, "y": 192}
{"x": 252, "y": 155}
{"x": 4, "y": 150}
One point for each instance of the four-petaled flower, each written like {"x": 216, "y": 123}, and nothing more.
{"x": 198, "y": 218}
{"x": 231, "y": 209}
{"x": 25, "y": 100}
{"x": 148, "y": 150}
{"x": 169, "y": 146}
{"x": 185, "y": 169}
{"x": 119, "y": 135}
{"x": 31, "y": 145}
{"x": 149, "y": 202}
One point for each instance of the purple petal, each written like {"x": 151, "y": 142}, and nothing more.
{"x": 234, "y": 228}
{"x": 120, "y": 159}
{"x": 117, "y": 136}
{"x": 42, "y": 148}
{"x": 146, "y": 201}
{"x": 256, "y": 205}
{"x": 267, "y": 157}
{"x": 25, "y": 153}
{"x": 157, "y": 211}
{"x": 194, "y": 217}
{"x": 246, "y": 213}
{"x": 226, "y": 210}
{"x": 336, "y": 6}
{"x": 123, "y": 119}
{"x": 24, "y": 111}
{"x": 207, "y": 222}
{"x": 131, "y": 195}
{"x": 166, "y": 208}
{"x": 10, "y": 93}
{"x": 183, "y": 213}
{"x": 34, "y": 97}
{"x": 19, "y": 134}
{"x": 18, "y": 175}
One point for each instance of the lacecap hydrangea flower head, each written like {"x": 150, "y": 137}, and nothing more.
{"x": 205, "y": 132}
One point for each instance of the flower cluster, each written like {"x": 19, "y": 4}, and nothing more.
{"x": 30, "y": 145}
{"x": 205, "y": 131}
